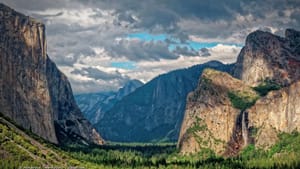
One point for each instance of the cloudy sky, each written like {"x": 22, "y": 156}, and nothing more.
{"x": 101, "y": 44}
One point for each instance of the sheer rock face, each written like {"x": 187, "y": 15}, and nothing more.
{"x": 279, "y": 111}
{"x": 268, "y": 56}
{"x": 210, "y": 119}
{"x": 33, "y": 92}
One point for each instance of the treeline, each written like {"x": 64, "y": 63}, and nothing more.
{"x": 18, "y": 151}
{"x": 280, "y": 155}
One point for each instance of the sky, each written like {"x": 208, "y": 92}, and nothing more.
{"x": 102, "y": 44}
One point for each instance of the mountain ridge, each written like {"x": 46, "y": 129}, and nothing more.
{"x": 156, "y": 108}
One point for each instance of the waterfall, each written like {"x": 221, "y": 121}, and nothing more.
{"x": 244, "y": 129}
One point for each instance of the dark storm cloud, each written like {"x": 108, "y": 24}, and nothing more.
{"x": 296, "y": 16}
{"x": 165, "y": 14}
{"x": 76, "y": 27}
{"x": 181, "y": 36}
{"x": 98, "y": 80}
{"x": 98, "y": 74}
{"x": 93, "y": 86}
{"x": 168, "y": 12}
{"x": 204, "y": 52}
{"x": 185, "y": 51}
{"x": 46, "y": 16}
{"x": 155, "y": 15}
{"x": 68, "y": 52}
{"x": 215, "y": 19}
{"x": 35, "y": 4}
{"x": 138, "y": 50}
{"x": 126, "y": 16}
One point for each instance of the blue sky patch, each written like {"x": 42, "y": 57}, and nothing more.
{"x": 129, "y": 65}
{"x": 192, "y": 45}
{"x": 148, "y": 37}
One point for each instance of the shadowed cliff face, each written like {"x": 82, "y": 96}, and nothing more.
{"x": 33, "y": 92}
{"x": 225, "y": 114}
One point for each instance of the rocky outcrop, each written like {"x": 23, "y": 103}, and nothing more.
{"x": 220, "y": 118}
{"x": 95, "y": 105}
{"x": 278, "y": 112}
{"x": 268, "y": 56}
{"x": 154, "y": 111}
{"x": 211, "y": 121}
{"x": 33, "y": 92}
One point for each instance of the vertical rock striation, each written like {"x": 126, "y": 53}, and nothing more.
{"x": 33, "y": 92}
{"x": 279, "y": 111}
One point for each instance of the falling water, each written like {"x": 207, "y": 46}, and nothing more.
{"x": 244, "y": 129}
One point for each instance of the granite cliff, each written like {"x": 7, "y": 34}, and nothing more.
{"x": 211, "y": 121}
{"x": 277, "y": 112}
{"x": 33, "y": 92}
{"x": 268, "y": 56}
{"x": 261, "y": 100}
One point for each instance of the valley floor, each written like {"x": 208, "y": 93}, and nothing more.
{"x": 19, "y": 149}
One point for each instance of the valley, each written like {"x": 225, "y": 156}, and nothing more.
{"x": 244, "y": 114}
{"x": 24, "y": 149}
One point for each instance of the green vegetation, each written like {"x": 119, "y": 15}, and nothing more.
{"x": 242, "y": 99}
{"x": 253, "y": 131}
{"x": 17, "y": 149}
{"x": 204, "y": 139}
{"x": 266, "y": 86}
{"x": 284, "y": 154}
{"x": 206, "y": 80}
{"x": 197, "y": 126}
{"x": 245, "y": 99}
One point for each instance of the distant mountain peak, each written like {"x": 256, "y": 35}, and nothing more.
{"x": 95, "y": 105}
{"x": 132, "y": 83}
{"x": 128, "y": 88}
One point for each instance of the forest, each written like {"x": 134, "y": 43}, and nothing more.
{"x": 21, "y": 151}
